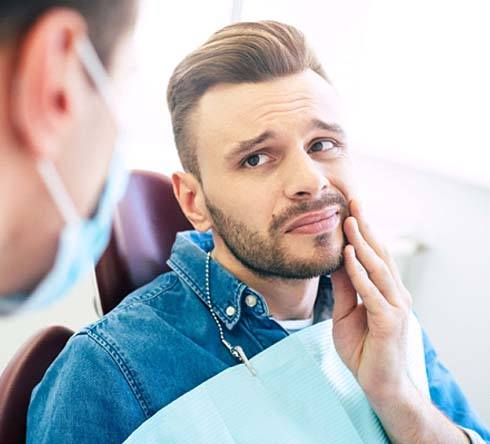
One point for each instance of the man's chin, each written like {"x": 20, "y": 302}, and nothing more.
{"x": 307, "y": 268}
{"x": 319, "y": 260}
{"x": 311, "y": 270}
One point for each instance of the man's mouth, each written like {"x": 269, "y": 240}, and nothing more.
{"x": 316, "y": 222}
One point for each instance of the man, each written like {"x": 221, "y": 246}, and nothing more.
{"x": 57, "y": 136}
{"x": 268, "y": 187}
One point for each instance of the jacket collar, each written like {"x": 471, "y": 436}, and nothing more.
{"x": 188, "y": 260}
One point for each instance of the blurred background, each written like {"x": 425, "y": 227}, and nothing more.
{"x": 414, "y": 79}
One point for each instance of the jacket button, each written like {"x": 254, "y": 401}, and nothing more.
{"x": 251, "y": 300}
{"x": 230, "y": 311}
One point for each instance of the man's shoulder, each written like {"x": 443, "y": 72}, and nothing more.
{"x": 124, "y": 336}
{"x": 141, "y": 316}
{"x": 124, "y": 326}
{"x": 120, "y": 353}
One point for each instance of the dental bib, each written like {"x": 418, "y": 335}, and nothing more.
{"x": 302, "y": 394}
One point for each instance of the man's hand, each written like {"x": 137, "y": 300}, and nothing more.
{"x": 371, "y": 338}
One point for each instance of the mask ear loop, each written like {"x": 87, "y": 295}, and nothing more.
{"x": 96, "y": 71}
{"x": 92, "y": 64}
{"x": 99, "y": 76}
{"x": 58, "y": 192}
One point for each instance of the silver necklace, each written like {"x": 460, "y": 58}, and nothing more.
{"x": 235, "y": 350}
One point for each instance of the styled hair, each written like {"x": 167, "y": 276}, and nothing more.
{"x": 247, "y": 52}
{"x": 107, "y": 20}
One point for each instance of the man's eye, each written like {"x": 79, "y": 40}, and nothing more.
{"x": 255, "y": 160}
{"x": 323, "y": 145}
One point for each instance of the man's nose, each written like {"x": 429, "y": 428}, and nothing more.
{"x": 304, "y": 178}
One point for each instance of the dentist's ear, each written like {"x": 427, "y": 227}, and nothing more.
{"x": 188, "y": 192}
{"x": 47, "y": 82}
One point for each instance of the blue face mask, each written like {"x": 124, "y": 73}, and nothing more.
{"x": 82, "y": 241}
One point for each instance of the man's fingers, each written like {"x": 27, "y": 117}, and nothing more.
{"x": 345, "y": 295}
{"x": 380, "y": 250}
{"x": 374, "y": 301}
{"x": 368, "y": 234}
{"x": 378, "y": 271}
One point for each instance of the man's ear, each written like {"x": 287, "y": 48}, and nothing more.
{"x": 47, "y": 82}
{"x": 189, "y": 193}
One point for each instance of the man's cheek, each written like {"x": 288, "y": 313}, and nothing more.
{"x": 348, "y": 190}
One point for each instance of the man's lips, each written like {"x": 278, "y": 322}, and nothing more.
{"x": 315, "y": 222}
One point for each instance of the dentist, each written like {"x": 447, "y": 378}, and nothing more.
{"x": 61, "y": 173}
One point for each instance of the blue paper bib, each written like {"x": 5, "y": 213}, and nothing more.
{"x": 302, "y": 394}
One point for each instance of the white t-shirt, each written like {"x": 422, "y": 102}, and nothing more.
{"x": 294, "y": 325}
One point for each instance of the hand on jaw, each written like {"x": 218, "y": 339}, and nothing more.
{"x": 371, "y": 338}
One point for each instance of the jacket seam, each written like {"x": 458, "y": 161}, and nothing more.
{"x": 152, "y": 294}
{"x": 133, "y": 384}
{"x": 143, "y": 298}
{"x": 182, "y": 272}
{"x": 116, "y": 354}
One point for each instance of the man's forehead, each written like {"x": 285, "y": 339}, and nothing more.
{"x": 233, "y": 112}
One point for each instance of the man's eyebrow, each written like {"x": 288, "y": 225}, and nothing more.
{"x": 246, "y": 146}
{"x": 333, "y": 127}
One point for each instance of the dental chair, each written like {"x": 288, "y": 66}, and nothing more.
{"x": 145, "y": 225}
{"x": 24, "y": 372}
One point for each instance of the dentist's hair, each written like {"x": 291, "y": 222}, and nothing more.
{"x": 107, "y": 20}
{"x": 239, "y": 53}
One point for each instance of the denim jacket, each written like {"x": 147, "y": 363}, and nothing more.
{"x": 161, "y": 342}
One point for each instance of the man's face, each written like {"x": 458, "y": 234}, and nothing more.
{"x": 275, "y": 173}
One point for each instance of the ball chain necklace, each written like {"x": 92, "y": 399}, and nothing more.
{"x": 235, "y": 350}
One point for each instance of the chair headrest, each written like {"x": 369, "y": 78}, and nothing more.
{"x": 146, "y": 223}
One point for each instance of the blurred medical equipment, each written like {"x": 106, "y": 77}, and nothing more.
{"x": 405, "y": 251}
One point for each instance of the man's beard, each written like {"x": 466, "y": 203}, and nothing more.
{"x": 265, "y": 255}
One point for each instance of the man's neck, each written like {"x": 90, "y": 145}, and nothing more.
{"x": 286, "y": 298}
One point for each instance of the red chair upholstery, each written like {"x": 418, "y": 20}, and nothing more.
{"x": 20, "y": 377}
{"x": 147, "y": 220}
